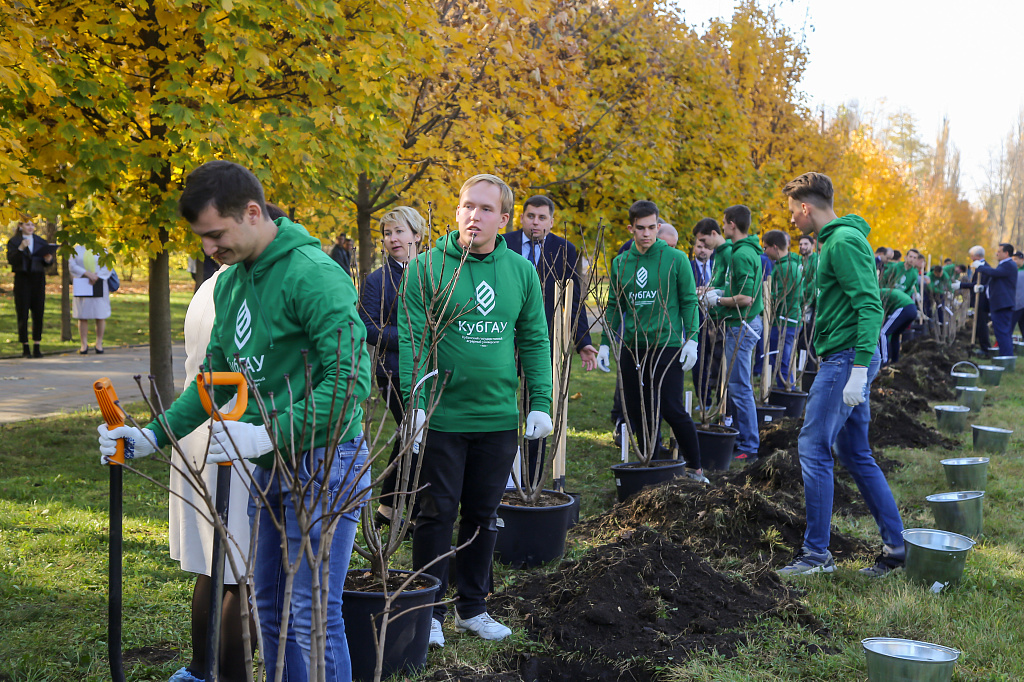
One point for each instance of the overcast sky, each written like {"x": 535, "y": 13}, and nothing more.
{"x": 932, "y": 58}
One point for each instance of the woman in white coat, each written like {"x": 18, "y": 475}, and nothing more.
{"x": 84, "y": 264}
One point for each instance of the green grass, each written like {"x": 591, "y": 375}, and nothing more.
{"x": 53, "y": 521}
{"x": 128, "y": 323}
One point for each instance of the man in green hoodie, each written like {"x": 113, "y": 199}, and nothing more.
{"x": 847, "y": 323}
{"x": 284, "y": 309}
{"x": 651, "y": 290}
{"x": 466, "y": 307}
{"x": 741, "y": 304}
{"x": 787, "y": 288}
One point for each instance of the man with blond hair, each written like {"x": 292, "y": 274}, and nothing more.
{"x": 467, "y": 305}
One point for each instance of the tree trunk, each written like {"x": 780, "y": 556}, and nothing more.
{"x": 364, "y": 228}
{"x": 65, "y": 300}
{"x": 160, "y": 363}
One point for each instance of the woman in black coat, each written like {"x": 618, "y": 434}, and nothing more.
{"x": 29, "y": 254}
{"x": 402, "y": 230}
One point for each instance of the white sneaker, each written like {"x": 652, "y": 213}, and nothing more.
{"x": 482, "y": 626}
{"x": 436, "y": 634}
{"x": 699, "y": 477}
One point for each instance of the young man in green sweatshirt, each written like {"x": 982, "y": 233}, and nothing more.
{"x": 282, "y": 307}
{"x": 848, "y": 321}
{"x": 465, "y": 308}
{"x": 651, "y": 290}
{"x": 787, "y": 289}
{"x": 741, "y": 304}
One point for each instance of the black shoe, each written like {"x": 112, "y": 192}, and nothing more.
{"x": 889, "y": 561}
{"x": 617, "y": 433}
{"x": 84, "y": 352}
{"x": 36, "y": 353}
{"x": 25, "y": 352}
{"x": 99, "y": 351}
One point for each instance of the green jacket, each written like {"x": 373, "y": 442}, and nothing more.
{"x": 655, "y": 295}
{"x": 810, "y": 278}
{"x": 941, "y": 286}
{"x": 483, "y": 310}
{"x": 899, "y": 276}
{"x": 292, "y": 299}
{"x": 849, "y": 311}
{"x": 893, "y": 300}
{"x": 788, "y": 290}
{"x": 723, "y": 257}
{"x": 948, "y": 269}
{"x": 744, "y": 278}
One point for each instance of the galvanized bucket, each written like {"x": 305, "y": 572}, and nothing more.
{"x": 991, "y": 439}
{"x": 952, "y": 419}
{"x": 966, "y": 473}
{"x": 906, "y": 660}
{"x": 966, "y": 377}
{"x": 990, "y": 374}
{"x": 958, "y": 512}
{"x": 935, "y": 558}
{"x": 1018, "y": 348}
{"x": 1007, "y": 362}
{"x": 971, "y": 396}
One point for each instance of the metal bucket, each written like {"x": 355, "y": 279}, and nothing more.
{"x": 958, "y": 512}
{"x": 935, "y": 558}
{"x": 1007, "y": 362}
{"x": 952, "y": 419}
{"x": 905, "y": 660}
{"x": 966, "y": 473}
{"x": 991, "y": 439}
{"x": 1018, "y": 348}
{"x": 970, "y": 396}
{"x": 990, "y": 374}
{"x": 965, "y": 378}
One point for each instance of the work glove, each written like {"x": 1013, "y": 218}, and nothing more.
{"x": 419, "y": 419}
{"x": 602, "y": 359}
{"x": 688, "y": 358}
{"x": 955, "y": 286}
{"x": 712, "y": 296}
{"x": 853, "y": 392}
{"x": 237, "y": 440}
{"x": 538, "y": 425}
{"x": 137, "y": 442}
{"x": 978, "y": 288}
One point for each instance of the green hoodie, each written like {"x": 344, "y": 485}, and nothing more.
{"x": 849, "y": 312}
{"x": 940, "y": 286}
{"x": 788, "y": 290}
{"x": 744, "y": 278}
{"x": 483, "y": 311}
{"x": 899, "y": 276}
{"x": 723, "y": 257}
{"x": 294, "y": 298}
{"x": 810, "y": 277}
{"x": 893, "y": 300}
{"x": 655, "y": 294}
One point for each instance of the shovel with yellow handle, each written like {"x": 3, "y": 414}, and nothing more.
{"x": 205, "y": 381}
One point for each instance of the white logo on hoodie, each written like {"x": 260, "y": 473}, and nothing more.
{"x": 484, "y": 298}
{"x": 243, "y": 330}
{"x": 641, "y": 277}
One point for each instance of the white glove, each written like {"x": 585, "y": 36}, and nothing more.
{"x": 602, "y": 359}
{"x": 688, "y": 358}
{"x": 137, "y": 442}
{"x": 237, "y": 440}
{"x": 978, "y": 288}
{"x": 419, "y": 418}
{"x": 853, "y": 392}
{"x": 917, "y": 297}
{"x": 712, "y": 296}
{"x": 955, "y": 286}
{"x": 538, "y": 425}
{"x": 975, "y": 263}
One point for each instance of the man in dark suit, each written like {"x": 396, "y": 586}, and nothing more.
{"x": 978, "y": 282}
{"x": 1002, "y": 295}
{"x": 703, "y": 265}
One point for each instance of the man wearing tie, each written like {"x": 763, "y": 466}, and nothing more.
{"x": 703, "y": 265}
{"x": 1001, "y": 294}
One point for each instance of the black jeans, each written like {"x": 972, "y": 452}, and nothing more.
{"x": 709, "y": 363}
{"x": 29, "y": 297}
{"x": 653, "y": 376}
{"x": 981, "y": 310}
{"x": 467, "y": 473}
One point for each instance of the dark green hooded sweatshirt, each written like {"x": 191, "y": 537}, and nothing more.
{"x": 788, "y": 290}
{"x": 849, "y": 311}
{"x": 744, "y": 278}
{"x": 655, "y": 294}
{"x": 723, "y": 257}
{"x": 482, "y": 311}
{"x": 293, "y": 298}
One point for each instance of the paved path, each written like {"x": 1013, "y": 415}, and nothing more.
{"x": 63, "y": 383}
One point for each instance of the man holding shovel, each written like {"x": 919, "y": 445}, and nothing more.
{"x": 847, "y": 325}
{"x": 277, "y": 267}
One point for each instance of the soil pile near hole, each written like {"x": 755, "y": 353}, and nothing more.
{"x": 718, "y": 522}
{"x": 533, "y": 668}
{"x": 923, "y": 369}
{"x": 894, "y": 421}
{"x": 645, "y": 595}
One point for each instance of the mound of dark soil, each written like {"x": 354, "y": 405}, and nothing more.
{"x": 647, "y": 596}
{"x": 923, "y": 369}
{"x": 894, "y": 421}
{"x": 533, "y": 668}
{"x": 731, "y": 520}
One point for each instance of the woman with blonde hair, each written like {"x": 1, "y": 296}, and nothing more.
{"x": 402, "y": 229}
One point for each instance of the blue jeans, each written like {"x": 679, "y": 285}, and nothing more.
{"x": 786, "y": 379}
{"x": 740, "y": 342}
{"x": 830, "y": 421}
{"x": 344, "y": 485}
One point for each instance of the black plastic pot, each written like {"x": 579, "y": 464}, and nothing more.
{"x": 574, "y": 512}
{"x": 405, "y": 644}
{"x": 531, "y": 536}
{"x": 767, "y": 414}
{"x": 633, "y": 477}
{"x": 793, "y": 401}
{"x": 716, "y": 447}
{"x": 808, "y": 379}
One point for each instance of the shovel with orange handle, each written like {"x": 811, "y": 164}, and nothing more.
{"x": 113, "y": 415}
{"x": 205, "y": 381}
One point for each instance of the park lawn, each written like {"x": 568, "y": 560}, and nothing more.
{"x": 128, "y": 324}
{"x": 53, "y": 522}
